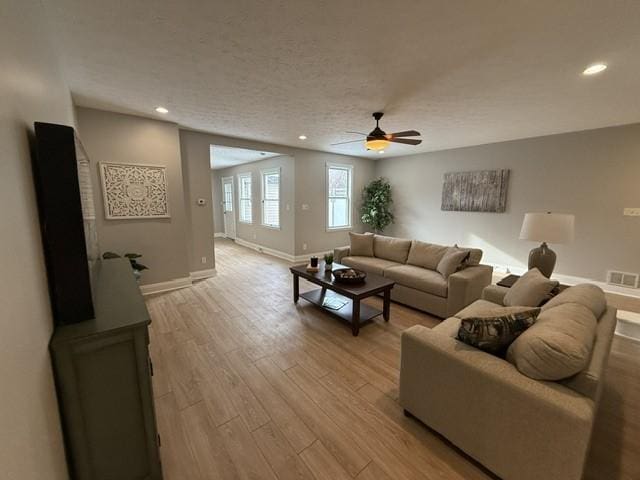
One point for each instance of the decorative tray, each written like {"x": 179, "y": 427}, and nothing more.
{"x": 349, "y": 275}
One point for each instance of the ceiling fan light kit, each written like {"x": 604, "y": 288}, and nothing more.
{"x": 378, "y": 139}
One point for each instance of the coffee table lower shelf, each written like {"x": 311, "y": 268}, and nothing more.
{"x": 345, "y": 313}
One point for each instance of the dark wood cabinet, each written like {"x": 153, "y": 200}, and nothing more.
{"x": 103, "y": 380}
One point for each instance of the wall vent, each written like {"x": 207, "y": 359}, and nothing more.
{"x": 623, "y": 279}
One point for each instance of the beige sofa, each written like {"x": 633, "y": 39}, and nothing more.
{"x": 518, "y": 427}
{"x": 412, "y": 265}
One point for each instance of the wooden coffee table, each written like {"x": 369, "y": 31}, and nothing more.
{"x": 353, "y": 311}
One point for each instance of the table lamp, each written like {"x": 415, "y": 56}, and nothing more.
{"x": 546, "y": 227}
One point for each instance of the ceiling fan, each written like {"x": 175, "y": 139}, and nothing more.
{"x": 377, "y": 139}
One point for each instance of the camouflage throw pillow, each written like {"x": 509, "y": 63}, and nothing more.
{"x": 495, "y": 334}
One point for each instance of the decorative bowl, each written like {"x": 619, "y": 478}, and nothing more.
{"x": 349, "y": 275}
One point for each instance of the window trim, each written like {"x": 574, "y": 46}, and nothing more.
{"x": 264, "y": 172}
{"x": 350, "y": 168}
{"x": 240, "y": 198}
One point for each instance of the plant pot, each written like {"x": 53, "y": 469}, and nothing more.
{"x": 328, "y": 267}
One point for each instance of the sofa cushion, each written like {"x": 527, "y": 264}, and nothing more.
{"x": 451, "y": 261}
{"x": 426, "y": 255}
{"x": 585, "y": 294}
{"x": 390, "y": 248}
{"x": 494, "y": 334}
{"x": 530, "y": 289}
{"x": 418, "y": 278}
{"x": 361, "y": 244}
{"x": 558, "y": 345}
{"x": 484, "y": 308}
{"x": 369, "y": 264}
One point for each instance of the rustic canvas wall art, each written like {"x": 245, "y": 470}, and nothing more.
{"x": 133, "y": 191}
{"x": 480, "y": 191}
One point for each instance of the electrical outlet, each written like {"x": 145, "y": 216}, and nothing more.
{"x": 632, "y": 212}
{"x": 287, "y": 207}
{"x": 305, "y": 206}
{"x": 304, "y": 246}
{"x": 203, "y": 259}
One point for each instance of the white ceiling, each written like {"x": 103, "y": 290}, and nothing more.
{"x": 461, "y": 72}
{"x": 223, "y": 157}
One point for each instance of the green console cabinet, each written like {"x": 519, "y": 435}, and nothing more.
{"x": 103, "y": 380}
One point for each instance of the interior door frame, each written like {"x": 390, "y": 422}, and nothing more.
{"x": 233, "y": 206}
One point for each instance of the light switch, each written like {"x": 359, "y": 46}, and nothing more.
{"x": 305, "y": 206}
{"x": 632, "y": 212}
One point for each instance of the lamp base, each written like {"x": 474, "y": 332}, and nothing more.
{"x": 543, "y": 258}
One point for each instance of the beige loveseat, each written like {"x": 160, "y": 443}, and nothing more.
{"x": 413, "y": 266}
{"x": 518, "y": 427}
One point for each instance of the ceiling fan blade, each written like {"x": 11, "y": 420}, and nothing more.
{"x": 408, "y": 141}
{"x": 358, "y": 133}
{"x": 406, "y": 133}
{"x": 350, "y": 141}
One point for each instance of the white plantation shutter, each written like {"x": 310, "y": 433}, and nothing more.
{"x": 244, "y": 186}
{"x": 271, "y": 198}
{"x": 339, "y": 196}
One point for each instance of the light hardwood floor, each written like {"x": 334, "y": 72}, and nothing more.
{"x": 250, "y": 386}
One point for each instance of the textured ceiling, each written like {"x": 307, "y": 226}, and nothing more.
{"x": 223, "y": 157}
{"x": 461, "y": 72}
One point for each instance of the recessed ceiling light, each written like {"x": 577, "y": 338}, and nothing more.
{"x": 161, "y": 110}
{"x": 595, "y": 68}
{"x": 302, "y": 137}
{"x": 380, "y": 151}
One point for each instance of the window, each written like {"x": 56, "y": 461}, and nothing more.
{"x": 271, "y": 198}
{"x": 227, "y": 185}
{"x": 339, "y": 178}
{"x": 244, "y": 207}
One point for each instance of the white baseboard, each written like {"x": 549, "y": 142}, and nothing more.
{"x": 307, "y": 256}
{"x": 202, "y": 274}
{"x": 262, "y": 249}
{"x": 174, "y": 284}
{"x": 569, "y": 280}
{"x": 219, "y": 235}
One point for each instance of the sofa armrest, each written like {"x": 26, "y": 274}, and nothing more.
{"x": 518, "y": 427}
{"x": 339, "y": 253}
{"x": 466, "y": 287}
{"x": 494, "y": 294}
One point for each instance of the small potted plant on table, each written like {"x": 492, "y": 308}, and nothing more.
{"x": 328, "y": 262}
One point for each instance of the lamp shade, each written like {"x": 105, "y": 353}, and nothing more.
{"x": 548, "y": 227}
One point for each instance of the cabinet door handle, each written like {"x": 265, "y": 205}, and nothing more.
{"x": 150, "y": 367}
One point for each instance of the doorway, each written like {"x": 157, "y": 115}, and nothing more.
{"x": 228, "y": 208}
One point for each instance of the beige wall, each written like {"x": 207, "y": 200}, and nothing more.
{"x": 311, "y": 224}
{"x": 281, "y": 239}
{"x": 592, "y": 174}
{"x": 309, "y": 189}
{"x": 114, "y": 137}
{"x": 197, "y": 185}
{"x": 31, "y": 89}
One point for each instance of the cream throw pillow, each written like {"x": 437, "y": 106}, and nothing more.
{"x": 361, "y": 244}
{"x": 529, "y": 290}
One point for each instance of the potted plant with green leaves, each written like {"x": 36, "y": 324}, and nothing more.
{"x": 328, "y": 262}
{"x": 133, "y": 260}
{"x": 376, "y": 205}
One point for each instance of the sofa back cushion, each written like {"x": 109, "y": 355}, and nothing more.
{"x": 589, "y": 295}
{"x": 530, "y": 289}
{"x": 390, "y": 248}
{"x": 558, "y": 345}
{"x": 426, "y": 255}
{"x": 361, "y": 244}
